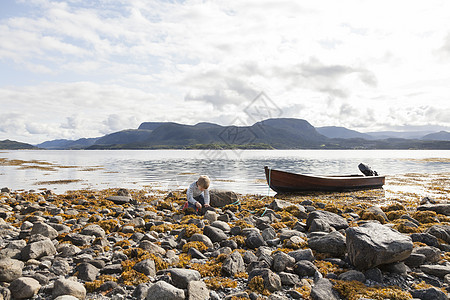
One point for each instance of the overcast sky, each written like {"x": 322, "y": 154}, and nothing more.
{"x": 86, "y": 68}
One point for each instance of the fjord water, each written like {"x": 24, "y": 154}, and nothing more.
{"x": 239, "y": 170}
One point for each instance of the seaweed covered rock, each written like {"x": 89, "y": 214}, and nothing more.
{"x": 373, "y": 244}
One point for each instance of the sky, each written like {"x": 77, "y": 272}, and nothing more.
{"x": 86, "y": 68}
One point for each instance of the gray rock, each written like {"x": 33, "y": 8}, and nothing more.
{"x": 24, "y": 287}
{"x": 60, "y": 267}
{"x": 268, "y": 234}
{"x": 323, "y": 290}
{"x": 66, "y": 297}
{"x": 281, "y": 261}
{"x": 163, "y": 290}
{"x": 415, "y": 260}
{"x": 432, "y": 254}
{"x": 44, "y": 230}
{"x": 68, "y": 287}
{"x": 254, "y": 241}
{"x": 220, "y": 198}
{"x": 112, "y": 269}
{"x": 425, "y": 238}
{"x": 233, "y": 264}
{"x": 141, "y": 291}
{"x": 38, "y": 249}
{"x": 332, "y": 219}
{"x": 278, "y": 205}
{"x": 320, "y": 225}
{"x": 305, "y": 268}
{"x": 152, "y": 248}
{"x": 377, "y": 211}
{"x": 5, "y": 293}
{"x": 352, "y": 275}
{"x": 211, "y": 216}
{"x": 119, "y": 199}
{"x": 68, "y": 250}
{"x": 221, "y": 225}
{"x": 304, "y": 254}
{"x": 197, "y": 237}
{"x": 288, "y": 233}
{"x": 182, "y": 277}
{"x": 440, "y": 231}
{"x": 238, "y": 295}
{"x": 441, "y": 208}
{"x": 10, "y": 269}
{"x": 436, "y": 270}
{"x": 289, "y": 278}
{"x": 87, "y": 272}
{"x": 272, "y": 281}
{"x": 333, "y": 243}
{"x": 374, "y": 274}
{"x": 79, "y": 239}
{"x": 146, "y": 267}
{"x": 373, "y": 244}
{"x": 429, "y": 294}
{"x": 94, "y": 230}
{"x": 215, "y": 234}
{"x": 197, "y": 290}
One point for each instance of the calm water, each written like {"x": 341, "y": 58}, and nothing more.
{"x": 241, "y": 170}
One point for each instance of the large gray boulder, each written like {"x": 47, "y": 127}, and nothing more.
{"x": 373, "y": 244}
{"x": 182, "y": 277}
{"x": 220, "y": 198}
{"x": 44, "y": 230}
{"x": 24, "y": 288}
{"x": 233, "y": 264}
{"x": 38, "y": 249}
{"x": 323, "y": 290}
{"x": 440, "y": 231}
{"x": 68, "y": 287}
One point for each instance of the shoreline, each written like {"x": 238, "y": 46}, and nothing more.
{"x": 124, "y": 243}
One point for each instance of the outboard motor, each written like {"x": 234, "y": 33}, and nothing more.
{"x": 366, "y": 170}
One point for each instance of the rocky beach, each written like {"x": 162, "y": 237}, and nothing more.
{"x": 138, "y": 244}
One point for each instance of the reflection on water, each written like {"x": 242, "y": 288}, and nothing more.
{"x": 240, "y": 171}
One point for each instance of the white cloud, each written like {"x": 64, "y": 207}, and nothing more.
{"x": 92, "y": 67}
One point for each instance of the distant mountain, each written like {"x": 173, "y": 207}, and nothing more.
{"x": 13, "y": 145}
{"x": 68, "y": 144}
{"x": 280, "y": 133}
{"x": 342, "y": 133}
{"x": 438, "y": 136}
{"x": 398, "y": 134}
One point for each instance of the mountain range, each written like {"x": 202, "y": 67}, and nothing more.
{"x": 281, "y": 133}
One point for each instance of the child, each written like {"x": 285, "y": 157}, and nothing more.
{"x": 198, "y": 194}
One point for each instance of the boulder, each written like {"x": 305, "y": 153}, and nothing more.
{"x": 254, "y": 240}
{"x": 220, "y": 198}
{"x": 94, "y": 230}
{"x": 332, "y": 243}
{"x": 197, "y": 290}
{"x": 323, "y": 290}
{"x": 429, "y": 294}
{"x": 441, "y": 208}
{"x": 38, "y": 249}
{"x": 272, "y": 281}
{"x": 68, "y": 287}
{"x": 119, "y": 199}
{"x": 302, "y": 254}
{"x": 436, "y": 270}
{"x": 44, "y": 230}
{"x": 163, "y": 290}
{"x": 146, "y": 267}
{"x": 373, "y": 244}
{"x": 87, "y": 272}
{"x": 334, "y": 220}
{"x": 233, "y": 264}
{"x": 182, "y": 277}
{"x": 305, "y": 268}
{"x": 281, "y": 261}
{"x": 215, "y": 234}
{"x": 24, "y": 287}
{"x": 440, "y": 231}
{"x": 10, "y": 269}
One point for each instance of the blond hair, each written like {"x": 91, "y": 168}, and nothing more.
{"x": 203, "y": 181}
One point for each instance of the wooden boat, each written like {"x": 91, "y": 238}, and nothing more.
{"x": 285, "y": 182}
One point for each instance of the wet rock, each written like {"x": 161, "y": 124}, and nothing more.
{"x": 233, "y": 264}
{"x": 220, "y": 198}
{"x": 333, "y": 243}
{"x": 373, "y": 244}
{"x": 10, "y": 269}
{"x": 323, "y": 290}
{"x": 68, "y": 287}
{"x": 163, "y": 290}
{"x": 24, "y": 288}
{"x": 119, "y": 199}
{"x": 182, "y": 277}
{"x": 197, "y": 290}
{"x": 334, "y": 220}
